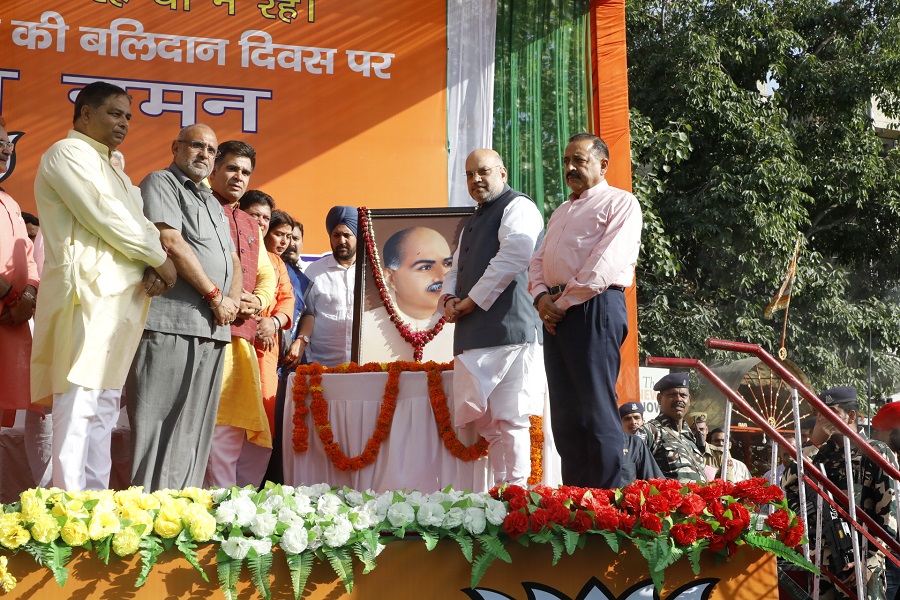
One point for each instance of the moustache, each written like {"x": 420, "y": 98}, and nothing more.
{"x": 435, "y": 287}
{"x": 573, "y": 175}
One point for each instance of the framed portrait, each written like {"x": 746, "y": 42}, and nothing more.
{"x": 402, "y": 258}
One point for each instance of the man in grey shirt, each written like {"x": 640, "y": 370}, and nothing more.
{"x": 174, "y": 384}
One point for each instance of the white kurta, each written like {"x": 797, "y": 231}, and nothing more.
{"x": 330, "y": 300}
{"x": 92, "y": 306}
{"x": 479, "y": 372}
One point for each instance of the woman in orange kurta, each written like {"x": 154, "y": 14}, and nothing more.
{"x": 275, "y": 316}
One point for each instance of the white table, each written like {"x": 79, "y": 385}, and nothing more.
{"x": 412, "y": 457}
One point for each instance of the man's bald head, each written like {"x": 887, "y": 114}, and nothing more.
{"x": 485, "y": 175}
{"x": 194, "y": 151}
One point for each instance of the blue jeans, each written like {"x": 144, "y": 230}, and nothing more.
{"x": 893, "y": 579}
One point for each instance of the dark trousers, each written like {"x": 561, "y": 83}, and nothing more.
{"x": 582, "y": 362}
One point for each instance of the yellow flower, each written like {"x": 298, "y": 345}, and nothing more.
{"x": 45, "y": 528}
{"x": 32, "y": 506}
{"x": 74, "y": 532}
{"x": 168, "y": 522}
{"x": 149, "y": 502}
{"x": 200, "y": 496}
{"x": 103, "y": 524}
{"x": 12, "y": 533}
{"x": 203, "y": 527}
{"x": 137, "y": 516}
{"x": 7, "y": 581}
{"x": 191, "y": 512}
{"x": 126, "y": 542}
{"x": 130, "y": 496}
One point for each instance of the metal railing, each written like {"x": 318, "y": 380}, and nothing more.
{"x": 819, "y": 482}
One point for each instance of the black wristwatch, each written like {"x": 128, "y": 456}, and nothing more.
{"x": 538, "y": 298}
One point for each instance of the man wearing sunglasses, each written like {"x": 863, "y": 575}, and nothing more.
{"x": 174, "y": 384}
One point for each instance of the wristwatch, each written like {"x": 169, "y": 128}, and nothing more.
{"x": 305, "y": 338}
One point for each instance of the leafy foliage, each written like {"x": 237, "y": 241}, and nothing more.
{"x": 728, "y": 173}
{"x": 53, "y": 556}
{"x": 300, "y": 566}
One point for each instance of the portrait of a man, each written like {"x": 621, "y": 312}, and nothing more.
{"x": 416, "y": 254}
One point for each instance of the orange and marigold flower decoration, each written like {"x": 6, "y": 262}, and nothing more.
{"x": 308, "y": 382}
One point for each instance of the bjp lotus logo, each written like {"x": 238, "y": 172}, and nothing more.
{"x": 595, "y": 590}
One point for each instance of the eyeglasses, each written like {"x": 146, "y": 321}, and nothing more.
{"x": 7, "y": 145}
{"x": 198, "y": 145}
{"x": 482, "y": 172}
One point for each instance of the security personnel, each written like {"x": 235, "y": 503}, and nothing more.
{"x": 669, "y": 437}
{"x": 873, "y": 488}
{"x": 632, "y": 415}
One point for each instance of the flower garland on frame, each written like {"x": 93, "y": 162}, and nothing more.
{"x": 439, "y": 405}
{"x": 417, "y": 338}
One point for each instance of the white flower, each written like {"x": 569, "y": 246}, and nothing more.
{"x": 354, "y": 498}
{"x": 236, "y": 547}
{"x": 329, "y": 504}
{"x": 287, "y": 490}
{"x": 289, "y": 517}
{"x": 225, "y": 512}
{"x": 495, "y": 511}
{"x": 477, "y": 500}
{"x": 273, "y": 502}
{"x": 401, "y": 514}
{"x": 262, "y": 547}
{"x": 338, "y": 533}
{"x": 383, "y": 503}
{"x": 430, "y": 514}
{"x": 474, "y": 521}
{"x": 365, "y": 517}
{"x": 294, "y": 540}
{"x": 245, "y": 510}
{"x": 315, "y": 537}
{"x": 218, "y": 493}
{"x": 313, "y": 491}
{"x": 302, "y": 504}
{"x": 263, "y": 524}
{"x": 415, "y": 498}
{"x": 454, "y": 518}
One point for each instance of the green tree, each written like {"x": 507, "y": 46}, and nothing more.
{"x": 728, "y": 176}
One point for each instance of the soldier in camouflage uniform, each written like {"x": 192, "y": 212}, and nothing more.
{"x": 669, "y": 437}
{"x": 873, "y": 489}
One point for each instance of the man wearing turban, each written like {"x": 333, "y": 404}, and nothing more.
{"x": 326, "y": 327}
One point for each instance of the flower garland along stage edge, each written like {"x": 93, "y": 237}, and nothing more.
{"x": 308, "y": 381}
{"x": 664, "y": 519}
{"x": 417, "y": 338}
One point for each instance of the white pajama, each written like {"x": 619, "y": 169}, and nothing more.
{"x": 83, "y": 421}
{"x": 234, "y": 460}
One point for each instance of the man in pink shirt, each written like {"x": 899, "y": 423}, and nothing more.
{"x": 577, "y": 279}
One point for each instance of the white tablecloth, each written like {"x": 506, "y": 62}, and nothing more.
{"x": 412, "y": 457}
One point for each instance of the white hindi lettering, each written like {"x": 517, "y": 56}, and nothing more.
{"x": 160, "y": 98}
{"x": 40, "y": 35}
{"x": 257, "y": 48}
{"x": 360, "y": 61}
{"x": 128, "y": 39}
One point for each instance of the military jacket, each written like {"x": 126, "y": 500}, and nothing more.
{"x": 675, "y": 452}
{"x": 874, "y": 493}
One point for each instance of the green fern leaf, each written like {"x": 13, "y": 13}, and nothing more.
{"x": 558, "y": 548}
{"x": 431, "y": 539}
{"x": 779, "y": 549}
{"x": 103, "y": 548}
{"x": 365, "y": 556}
{"x": 301, "y": 566}
{"x": 188, "y": 548}
{"x": 492, "y": 545}
{"x": 611, "y": 539}
{"x": 260, "y": 567}
{"x": 229, "y": 570}
{"x": 150, "y": 550}
{"x": 479, "y": 567}
{"x": 571, "y": 539}
{"x": 465, "y": 543}
{"x": 694, "y": 552}
{"x": 342, "y": 563}
{"x": 54, "y": 556}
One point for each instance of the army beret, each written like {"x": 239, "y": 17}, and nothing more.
{"x": 888, "y": 417}
{"x": 839, "y": 396}
{"x": 630, "y": 407}
{"x": 673, "y": 380}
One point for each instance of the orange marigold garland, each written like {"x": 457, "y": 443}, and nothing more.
{"x": 537, "y": 450}
{"x": 439, "y": 406}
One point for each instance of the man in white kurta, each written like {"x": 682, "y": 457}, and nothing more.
{"x": 103, "y": 261}
{"x": 498, "y": 375}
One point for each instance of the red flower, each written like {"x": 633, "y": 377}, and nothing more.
{"x": 607, "y": 518}
{"x": 684, "y": 534}
{"x": 515, "y": 524}
{"x": 739, "y": 514}
{"x": 544, "y": 491}
{"x": 651, "y": 522}
{"x": 518, "y": 503}
{"x": 673, "y": 497}
{"x": 779, "y": 520}
{"x": 692, "y": 505}
{"x": 594, "y": 502}
{"x": 717, "y": 543}
{"x": 793, "y": 536}
{"x": 632, "y": 500}
{"x": 704, "y": 530}
{"x": 656, "y": 504}
{"x": 626, "y": 522}
{"x": 559, "y": 514}
{"x": 582, "y": 522}
{"x": 539, "y": 520}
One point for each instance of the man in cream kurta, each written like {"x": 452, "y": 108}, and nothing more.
{"x": 103, "y": 261}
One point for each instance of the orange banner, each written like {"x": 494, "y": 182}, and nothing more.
{"x": 344, "y": 101}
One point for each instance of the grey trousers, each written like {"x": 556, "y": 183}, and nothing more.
{"x": 172, "y": 395}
